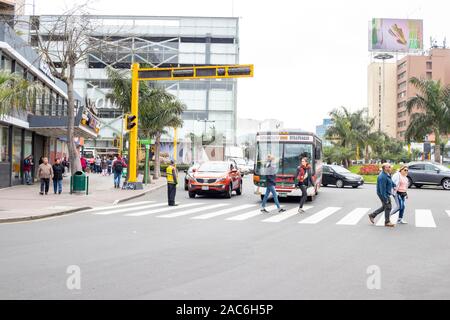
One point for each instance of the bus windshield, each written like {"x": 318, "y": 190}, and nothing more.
{"x": 287, "y": 156}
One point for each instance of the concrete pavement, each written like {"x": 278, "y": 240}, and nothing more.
{"x": 24, "y": 202}
{"x": 145, "y": 250}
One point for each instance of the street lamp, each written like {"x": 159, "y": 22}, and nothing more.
{"x": 384, "y": 57}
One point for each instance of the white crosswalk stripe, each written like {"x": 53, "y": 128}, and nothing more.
{"x": 223, "y": 212}
{"x": 448, "y": 212}
{"x": 381, "y": 221}
{"x": 424, "y": 219}
{"x": 286, "y": 215}
{"x": 117, "y": 206}
{"x": 321, "y": 215}
{"x": 250, "y": 214}
{"x": 354, "y": 217}
{"x": 191, "y": 211}
{"x": 166, "y": 209}
{"x": 120, "y": 209}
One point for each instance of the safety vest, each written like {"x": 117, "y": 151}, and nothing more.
{"x": 169, "y": 174}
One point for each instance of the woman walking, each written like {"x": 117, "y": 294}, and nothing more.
{"x": 304, "y": 178}
{"x": 400, "y": 180}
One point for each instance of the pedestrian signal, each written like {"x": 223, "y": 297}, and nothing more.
{"x": 131, "y": 121}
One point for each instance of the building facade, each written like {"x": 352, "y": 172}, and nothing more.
{"x": 119, "y": 41}
{"x": 40, "y": 129}
{"x": 321, "y": 130}
{"x": 382, "y": 97}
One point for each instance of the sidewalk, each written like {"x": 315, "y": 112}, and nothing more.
{"x": 21, "y": 203}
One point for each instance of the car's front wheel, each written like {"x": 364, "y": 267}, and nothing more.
{"x": 339, "y": 183}
{"x": 192, "y": 195}
{"x": 229, "y": 192}
{"x": 410, "y": 182}
{"x": 355, "y": 187}
{"x": 186, "y": 187}
{"x": 446, "y": 184}
{"x": 418, "y": 186}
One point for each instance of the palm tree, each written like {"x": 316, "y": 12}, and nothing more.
{"x": 433, "y": 105}
{"x": 158, "y": 111}
{"x": 16, "y": 93}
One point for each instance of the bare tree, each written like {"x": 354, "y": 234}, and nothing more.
{"x": 63, "y": 42}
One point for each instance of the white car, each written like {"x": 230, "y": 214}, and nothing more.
{"x": 242, "y": 165}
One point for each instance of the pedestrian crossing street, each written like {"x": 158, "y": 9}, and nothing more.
{"x": 420, "y": 218}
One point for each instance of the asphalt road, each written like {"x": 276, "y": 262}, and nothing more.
{"x": 215, "y": 248}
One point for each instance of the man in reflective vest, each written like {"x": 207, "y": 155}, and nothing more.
{"x": 172, "y": 181}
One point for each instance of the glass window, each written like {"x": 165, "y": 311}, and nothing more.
{"x": 28, "y": 144}
{"x": 4, "y": 134}
{"x": 6, "y": 64}
{"x": 263, "y": 150}
{"x": 292, "y": 154}
{"x": 16, "y": 156}
{"x": 430, "y": 167}
{"x": 417, "y": 167}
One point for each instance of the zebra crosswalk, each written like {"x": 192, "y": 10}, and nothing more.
{"x": 317, "y": 214}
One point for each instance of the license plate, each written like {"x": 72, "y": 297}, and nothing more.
{"x": 205, "y": 188}
{"x": 282, "y": 195}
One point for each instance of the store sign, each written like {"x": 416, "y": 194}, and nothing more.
{"x": 89, "y": 120}
{"x": 44, "y": 67}
{"x": 284, "y": 138}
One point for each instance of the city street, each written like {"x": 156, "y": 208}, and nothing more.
{"x": 216, "y": 248}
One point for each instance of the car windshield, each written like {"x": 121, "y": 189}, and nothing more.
{"x": 214, "y": 167}
{"x": 240, "y": 161}
{"x": 340, "y": 169}
{"x": 442, "y": 168}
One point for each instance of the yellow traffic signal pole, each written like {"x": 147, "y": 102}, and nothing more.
{"x": 171, "y": 74}
{"x": 175, "y": 145}
{"x": 132, "y": 156}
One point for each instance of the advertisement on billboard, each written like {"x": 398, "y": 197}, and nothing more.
{"x": 396, "y": 35}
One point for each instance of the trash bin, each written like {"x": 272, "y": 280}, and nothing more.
{"x": 79, "y": 182}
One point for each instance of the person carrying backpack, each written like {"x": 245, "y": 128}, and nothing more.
{"x": 117, "y": 168}
{"x": 304, "y": 180}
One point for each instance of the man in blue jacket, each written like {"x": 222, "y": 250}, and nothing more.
{"x": 384, "y": 190}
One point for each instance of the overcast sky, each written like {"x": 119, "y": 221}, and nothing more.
{"x": 309, "y": 56}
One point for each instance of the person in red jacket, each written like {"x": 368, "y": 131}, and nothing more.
{"x": 83, "y": 163}
{"x": 304, "y": 180}
{"x": 27, "y": 165}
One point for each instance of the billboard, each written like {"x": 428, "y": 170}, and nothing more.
{"x": 396, "y": 35}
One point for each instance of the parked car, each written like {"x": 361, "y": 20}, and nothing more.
{"x": 215, "y": 177}
{"x": 189, "y": 173}
{"x": 241, "y": 165}
{"x": 340, "y": 177}
{"x": 428, "y": 173}
{"x": 250, "y": 166}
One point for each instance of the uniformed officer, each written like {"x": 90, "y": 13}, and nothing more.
{"x": 172, "y": 181}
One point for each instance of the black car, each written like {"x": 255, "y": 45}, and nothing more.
{"x": 340, "y": 177}
{"x": 428, "y": 173}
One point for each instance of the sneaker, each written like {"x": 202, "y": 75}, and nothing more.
{"x": 372, "y": 221}
{"x": 402, "y": 221}
{"x": 389, "y": 225}
{"x": 300, "y": 210}
{"x": 41, "y": 193}
{"x": 282, "y": 210}
{"x": 263, "y": 210}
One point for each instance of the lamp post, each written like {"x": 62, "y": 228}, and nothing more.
{"x": 384, "y": 57}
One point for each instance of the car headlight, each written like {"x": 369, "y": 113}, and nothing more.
{"x": 222, "y": 179}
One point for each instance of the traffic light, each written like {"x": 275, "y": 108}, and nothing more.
{"x": 131, "y": 121}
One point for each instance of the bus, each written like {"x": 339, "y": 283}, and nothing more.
{"x": 288, "y": 147}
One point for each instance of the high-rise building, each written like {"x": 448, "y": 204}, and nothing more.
{"x": 119, "y": 41}
{"x": 382, "y": 97}
{"x": 322, "y": 129}
{"x": 434, "y": 65}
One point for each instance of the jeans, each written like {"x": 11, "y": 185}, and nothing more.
{"x": 27, "y": 177}
{"x": 117, "y": 176}
{"x": 271, "y": 189}
{"x": 57, "y": 185}
{"x": 45, "y": 185}
{"x": 304, "y": 195}
{"x": 386, "y": 207}
{"x": 400, "y": 201}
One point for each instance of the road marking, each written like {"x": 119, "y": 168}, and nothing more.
{"x": 321, "y": 215}
{"x": 167, "y": 208}
{"x": 424, "y": 219}
{"x": 381, "y": 221}
{"x": 120, "y": 206}
{"x": 286, "y": 215}
{"x": 250, "y": 214}
{"x": 448, "y": 212}
{"x": 128, "y": 209}
{"x": 353, "y": 217}
{"x": 223, "y": 212}
{"x": 191, "y": 211}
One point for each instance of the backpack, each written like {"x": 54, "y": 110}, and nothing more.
{"x": 118, "y": 166}
{"x": 26, "y": 162}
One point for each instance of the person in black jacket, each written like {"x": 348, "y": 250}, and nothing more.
{"x": 58, "y": 171}
{"x": 270, "y": 172}
{"x": 304, "y": 180}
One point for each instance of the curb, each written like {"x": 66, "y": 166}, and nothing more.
{"x": 30, "y": 218}
{"x": 141, "y": 194}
